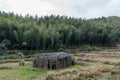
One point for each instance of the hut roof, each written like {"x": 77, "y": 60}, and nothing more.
{"x": 59, "y": 55}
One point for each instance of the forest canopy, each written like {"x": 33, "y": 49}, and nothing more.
{"x": 53, "y": 32}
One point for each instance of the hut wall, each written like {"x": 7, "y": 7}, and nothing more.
{"x": 53, "y": 61}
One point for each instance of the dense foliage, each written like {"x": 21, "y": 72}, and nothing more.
{"x": 56, "y": 32}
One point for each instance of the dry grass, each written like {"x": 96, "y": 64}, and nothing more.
{"x": 80, "y": 73}
{"x": 96, "y": 65}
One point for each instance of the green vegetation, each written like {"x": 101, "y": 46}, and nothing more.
{"x": 29, "y": 70}
{"x": 30, "y": 34}
{"x": 116, "y": 77}
{"x": 12, "y": 56}
{"x": 12, "y": 71}
{"x": 74, "y": 66}
{"x": 93, "y": 65}
{"x": 56, "y": 32}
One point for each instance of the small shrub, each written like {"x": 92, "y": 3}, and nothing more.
{"x": 60, "y": 47}
{"x": 91, "y": 48}
{"x": 5, "y": 67}
{"x": 82, "y": 55}
{"x": 88, "y": 60}
{"x": 115, "y": 71}
{"x": 81, "y": 63}
{"x": 87, "y": 47}
{"x": 1, "y": 53}
{"x": 49, "y": 77}
{"x": 79, "y": 59}
{"x": 106, "y": 62}
{"x": 8, "y": 57}
{"x": 22, "y": 62}
{"x": 103, "y": 70}
{"x": 118, "y": 64}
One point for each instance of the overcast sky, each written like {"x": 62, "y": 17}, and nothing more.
{"x": 74, "y": 8}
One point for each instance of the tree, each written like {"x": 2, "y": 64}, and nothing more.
{"x": 47, "y": 32}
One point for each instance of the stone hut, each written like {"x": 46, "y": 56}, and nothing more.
{"x": 54, "y": 60}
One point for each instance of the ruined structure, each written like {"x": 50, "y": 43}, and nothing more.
{"x": 53, "y": 60}
{"x": 21, "y": 59}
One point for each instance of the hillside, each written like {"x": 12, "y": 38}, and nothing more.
{"x": 56, "y": 32}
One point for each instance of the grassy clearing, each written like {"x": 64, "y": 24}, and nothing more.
{"x": 16, "y": 72}
{"x": 12, "y": 71}
{"x": 116, "y": 77}
{"x": 89, "y": 66}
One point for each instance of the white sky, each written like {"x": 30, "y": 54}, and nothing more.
{"x": 74, "y": 8}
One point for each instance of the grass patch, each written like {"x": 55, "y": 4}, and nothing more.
{"x": 116, "y": 77}
{"x": 90, "y": 66}
{"x": 17, "y": 72}
{"x": 34, "y": 72}
{"x": 74, "y": 66}
{"x": 29, "y": 70}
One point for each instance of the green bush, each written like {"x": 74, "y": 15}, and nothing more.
{"x": 87, "y": 47}
{"x": 60, "y": 47}
{"x": 1, "y": 51}
{"x": 8, "y": 57}
{"x": 90, "y": 48}
{"x": 49, "y": 77}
